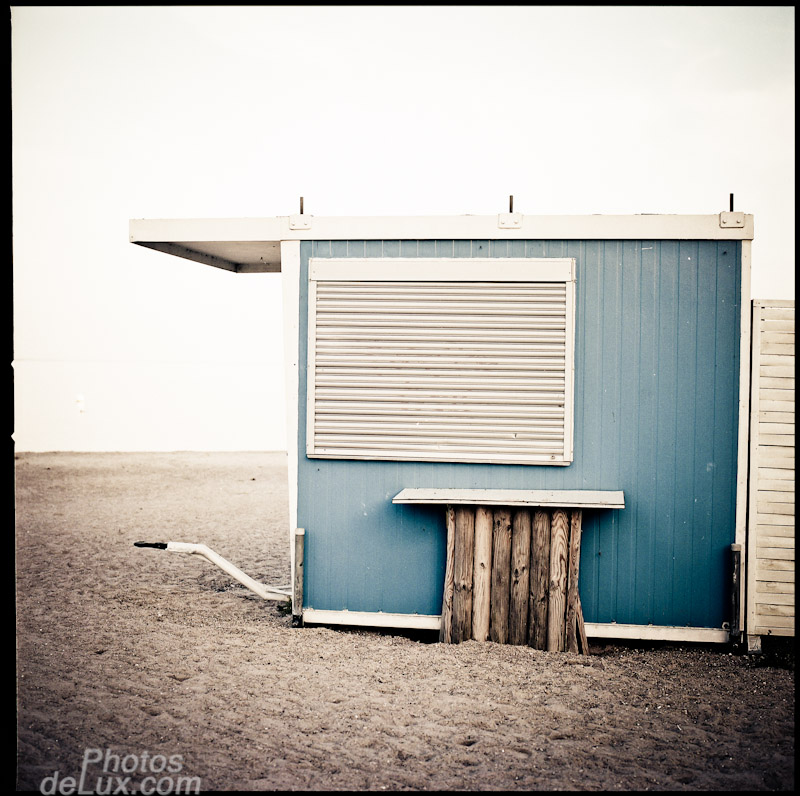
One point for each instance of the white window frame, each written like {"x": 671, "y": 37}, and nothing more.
{"x": 456, "y": 270}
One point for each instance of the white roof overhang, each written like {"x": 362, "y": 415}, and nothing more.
{"x": 252, "y": 245}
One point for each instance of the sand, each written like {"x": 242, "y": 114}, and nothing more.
{"x": 146, "y": 656}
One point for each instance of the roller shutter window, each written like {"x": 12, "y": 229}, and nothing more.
{"x": 450, "y": 360}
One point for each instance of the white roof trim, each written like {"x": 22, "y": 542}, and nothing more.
{"x": 251, "y": 244}
{"x": 633, "y": 227}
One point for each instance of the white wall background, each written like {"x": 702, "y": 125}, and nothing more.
{"x": 182, "y": 112}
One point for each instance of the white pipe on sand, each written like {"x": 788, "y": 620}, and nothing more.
{"x": 265, "y": 592}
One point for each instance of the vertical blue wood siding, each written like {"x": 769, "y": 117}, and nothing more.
{"x": 656, "y": 415}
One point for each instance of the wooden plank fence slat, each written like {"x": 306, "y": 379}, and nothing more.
{"x": 775, "y": 553}
{"x": 772, "y": 325}
{"x": 774, "y": 519}
{"x": 781, "y": 429}
{"x": 776, "y": 496}
{"x": 776, "y": 485}
{"x": 784, "y": 383}
{"x": 774, "y": 587}
{"x": 776, "y": 395}
{"x": 783, "y": 336}
{"x": 776, "y": 631}
{"x": 783, "y": 509}
{"x": 775, "y": 565}
{"x": 774, "y": 360}
{"x": 784, "y": 371}
{"x": 775, "y": 575}
{"x": 784, "y": 440}
{"x": 769, "y": 313}
{"x": 777, "y": 463}
{"x": 766, "y": 609}
{"x": 787, "y": 349}
{"x": 774, "y": 598}
{"x": 775, "y": 625}
{"x": 775, "y": 405}
{"x": 774, "y": 541}
{"x": 784, "y": 532}
{"x": 786, "y": 473}
{"x": 775, "y": 620}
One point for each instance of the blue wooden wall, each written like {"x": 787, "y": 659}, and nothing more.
{"x": 656, "y": 415}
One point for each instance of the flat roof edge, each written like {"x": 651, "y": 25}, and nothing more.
{"x": 504, "y": 226}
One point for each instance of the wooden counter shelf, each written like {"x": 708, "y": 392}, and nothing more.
{"x": 513, "y": 555}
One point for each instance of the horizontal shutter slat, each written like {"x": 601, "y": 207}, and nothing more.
{"x": 438, "y": 396}
{"x": 459, "y": 414}
{"x": 390, "y": 443}
{"x": 462, "y": 343}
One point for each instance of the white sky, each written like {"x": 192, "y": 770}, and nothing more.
{"x": 182, "y": 112}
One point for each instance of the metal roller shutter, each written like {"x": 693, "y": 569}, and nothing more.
{"x": 475, "y": 369}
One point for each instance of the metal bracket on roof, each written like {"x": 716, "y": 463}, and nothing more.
{"x": 509, "y": 221}
{"x": 300, "y": 222}
{"x": 730, "y": 220}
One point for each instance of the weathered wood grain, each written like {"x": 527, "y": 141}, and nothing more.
{"x": 520, "y": 577}
{"x": 462, "y": 573}
{"x": 557, "y": 603}
{"x": 539, "y": 580}
{"x": 482, "y": 573}
{"x": 501, "y": 576}
{"x": 571, "y": 640}
{"x": 446, "y": 627}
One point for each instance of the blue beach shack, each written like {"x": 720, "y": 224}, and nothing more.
{"x": 598, "y": 363}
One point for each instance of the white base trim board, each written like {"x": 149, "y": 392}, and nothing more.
{"x": 656, "y": 632}
{"x": 610, "y": 630}
{"x": 369, "y": 619}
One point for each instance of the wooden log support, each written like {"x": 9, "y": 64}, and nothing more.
{"x": 512, "y": 575}
{"x": 446, "y": 627}
{"x": 557, "y": 603}
{"x": 520, "y": 577}
{"x": 501, "y": 576}
{"x": 539, "y": 580}
{"x": 582, "y": 640}
{"x": 462, "y": 573}
{"x": 482, "y": 573}
{"x": 571, "y": 641}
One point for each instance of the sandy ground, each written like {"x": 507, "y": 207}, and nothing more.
{"x": 139, "y": 653}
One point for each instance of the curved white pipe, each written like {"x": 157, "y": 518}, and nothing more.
{"x": 265, "y": 592}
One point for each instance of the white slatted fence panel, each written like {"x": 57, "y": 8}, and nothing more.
{"x": 770, "y": 585}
